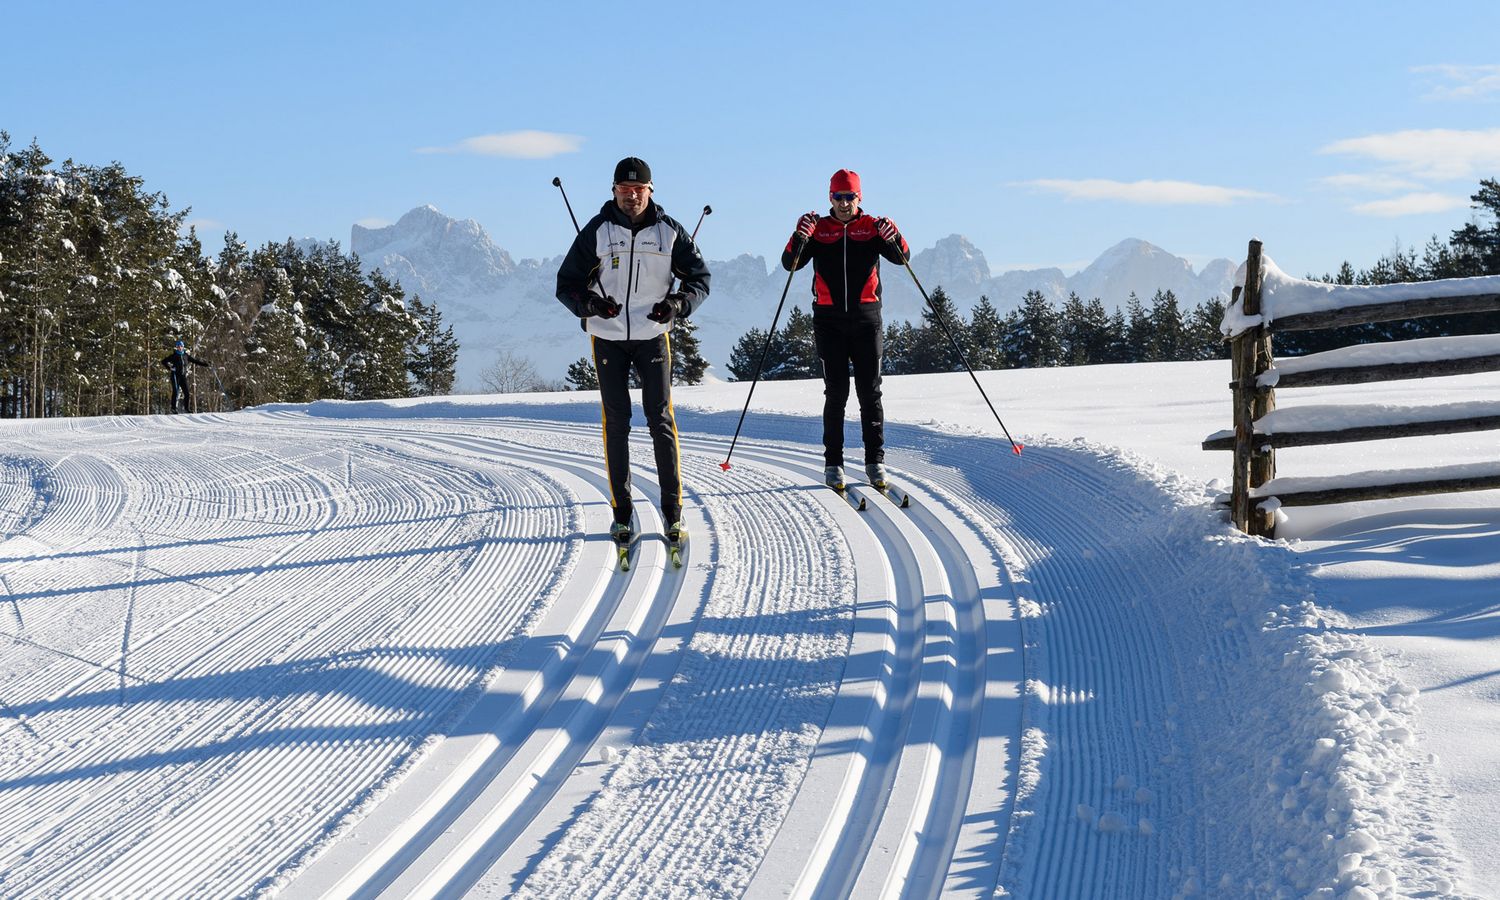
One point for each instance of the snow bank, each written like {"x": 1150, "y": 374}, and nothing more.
{"x": 1386, "y": 353}
{"x": 1337, "y": 417}
{"x": 1282, "y": 295}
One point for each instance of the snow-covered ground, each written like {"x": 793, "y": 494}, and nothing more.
{"x": 380, "y": 649}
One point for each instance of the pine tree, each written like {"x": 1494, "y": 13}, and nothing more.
{"x": 581, "y": 375}
{"x": 801, "y": 347}
{"x": 932, "y": 351}
{"x": 986, "y": 336}
{"x": 432, "y": 353}
{"x": 1476, "y": 246}
{"x": 1085, "y": 331}
{"x": 792, "y": 352}
{"x": 276, "y": 348}
{"x": 1137, "y": 331}
{"x": 383, "y": 327}
{"x": 1118, "y": 349}
{"x": 688, "y": 364}
{"x": 1204, "y": 340}
{"x": 744, "y": 356}
{"x": 898, "y": 356}
{"x": 1032, "y": 333}
{"x": 1166, "y": 338}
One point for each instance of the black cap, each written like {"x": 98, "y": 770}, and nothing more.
{"x": 632, "y": 168}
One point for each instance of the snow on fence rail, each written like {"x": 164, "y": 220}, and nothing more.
{"x": 1267, "y": 299}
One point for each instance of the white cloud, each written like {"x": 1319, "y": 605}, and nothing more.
{"x": 514, "y": 144}
{"x": 1411, "y": 205}
{"x": 1440, "y": 154}
{"x": 1372, "y": 182}
{"x": 1463, "y": 82}
{"x": 202, "y": 225}
{"x": 1156, "y": 193}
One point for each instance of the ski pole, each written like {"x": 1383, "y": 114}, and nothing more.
{"x": 557, "y": 183}
{"x": 222, "y": 393}
{"x": 797, "y": 258}
{"x": 937, "y": 314}
{"x": 707, "y": 210}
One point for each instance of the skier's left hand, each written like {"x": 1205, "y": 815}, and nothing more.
{"x": 888, "y": 231}
{"x": 668, "y": 308}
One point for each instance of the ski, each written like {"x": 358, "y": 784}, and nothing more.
{"x": 674, "y": 547}
{"x": 900, "y": 498}
{"x": 857, "y": 502}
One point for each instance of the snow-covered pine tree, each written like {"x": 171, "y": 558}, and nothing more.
{"x": 276, "y": 351}
{"x": 432, "y": 353}
{"x": 1032, "y": 333}
{"x": 986, "y": 336}
{"x": 1167, "y": 337}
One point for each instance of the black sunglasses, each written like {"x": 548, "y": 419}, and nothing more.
{"x": 844, "y": 195}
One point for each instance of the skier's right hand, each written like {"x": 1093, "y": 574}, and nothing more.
{"x": 807, "y": 224}
{"x": 603, "y": 307}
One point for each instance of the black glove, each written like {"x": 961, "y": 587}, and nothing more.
{"x": 594, "y": 305}
{"x": 670, "y": 307}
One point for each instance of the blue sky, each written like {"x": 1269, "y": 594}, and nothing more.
{"x": 1044, "y": 133}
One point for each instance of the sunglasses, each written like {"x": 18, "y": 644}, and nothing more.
{"x": 844, "y": 195}
{"x": 632, "y": 188}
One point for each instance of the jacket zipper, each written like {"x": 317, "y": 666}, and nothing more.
{"x": 629, "y": 267}
{"x": 846, "y": 268}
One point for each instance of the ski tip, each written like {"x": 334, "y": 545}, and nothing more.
{"x": 906, "y": 501}
{"x": 724, "y": 465}
{"x": 861, "y": 504}
{"x": 1015, "y": 448}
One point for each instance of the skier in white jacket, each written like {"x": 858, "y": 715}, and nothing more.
{"x": 617, "y": 277}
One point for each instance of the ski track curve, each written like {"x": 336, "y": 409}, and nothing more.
{"x": 290, "y": 665}
{"x": 414, "y": 671}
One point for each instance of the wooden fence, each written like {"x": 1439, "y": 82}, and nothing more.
{"x": 1254, "y": 397}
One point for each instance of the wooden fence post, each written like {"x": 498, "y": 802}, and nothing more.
{"x": 1262, "y": 400}
{"x": 1250, "y": 355}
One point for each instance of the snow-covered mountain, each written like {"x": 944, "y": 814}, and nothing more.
{"x": 494, "y": 303}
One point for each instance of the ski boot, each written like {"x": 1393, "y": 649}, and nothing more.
{"x": 676, "y": 536}
{"x": 621, "y": 534}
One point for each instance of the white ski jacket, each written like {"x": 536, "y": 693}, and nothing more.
{"x": 634, "y": 265}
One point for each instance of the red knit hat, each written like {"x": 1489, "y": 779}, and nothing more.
{"x": 844, "y": 180}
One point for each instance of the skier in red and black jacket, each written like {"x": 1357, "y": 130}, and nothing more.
{"x": 845, "y": 248}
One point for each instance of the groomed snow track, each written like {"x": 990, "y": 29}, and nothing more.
{"x": 269, "y": 653}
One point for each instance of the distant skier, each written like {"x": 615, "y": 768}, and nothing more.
{"x": 176, "y": 362}
{"x": 844, "y": 248}
{"x": 617, "y": 277}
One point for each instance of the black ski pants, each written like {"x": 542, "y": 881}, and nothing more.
{"x": 842, "y": 343}
{"x": 652, "y": 362}
{"x": 180, "y": 388}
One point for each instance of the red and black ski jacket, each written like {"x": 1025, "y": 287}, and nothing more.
{"x": 846, "y": 265}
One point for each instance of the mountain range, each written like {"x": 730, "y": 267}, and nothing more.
{"x": 495, "y": 303}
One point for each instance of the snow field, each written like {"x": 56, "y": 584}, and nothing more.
{"x": 273, "y": 652}
{"x": 284, "y": 666}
